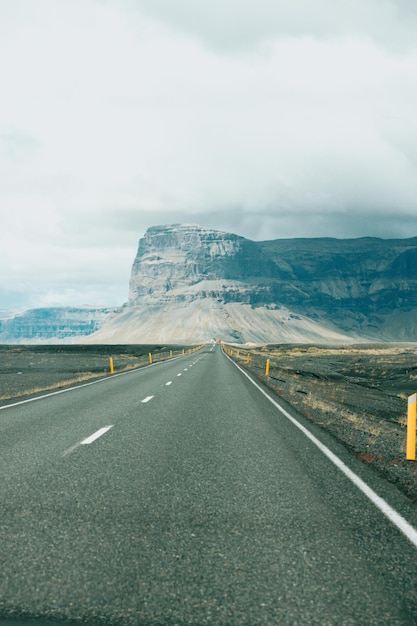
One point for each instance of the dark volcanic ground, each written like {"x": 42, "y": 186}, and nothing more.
{"x": 28, "y": 370}
{"x": 357, "y": 393}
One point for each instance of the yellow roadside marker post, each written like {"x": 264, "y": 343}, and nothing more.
{"x": 268, "y": 363}
{"x": 150, "y": 358}
{"x": 411, "y": 428}
{"x": 170, "y": 354}
{"x": 248, "y": 359}
{"x": 111, "y": 365}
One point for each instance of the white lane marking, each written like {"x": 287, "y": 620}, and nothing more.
{"x": 93, "y": 382}
{"x": 179, "y": 374}
{"x": 168, "y": 383}
{"x": 95, "y": 435}
{"x": 88, "y": 440}
{"x": 398, "y": 520}
{"x": 147, "y": 399}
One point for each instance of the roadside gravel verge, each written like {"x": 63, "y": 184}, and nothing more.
{"x": 357, "y": 393}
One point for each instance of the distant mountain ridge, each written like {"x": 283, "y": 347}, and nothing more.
{"x": 51, "y": 324}
{"x": 190, "y": 284}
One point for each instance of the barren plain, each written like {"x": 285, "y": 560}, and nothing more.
{"x": 26, "y": 371}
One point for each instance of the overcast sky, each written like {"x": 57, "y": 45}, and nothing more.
{"x": 266, "y": 118}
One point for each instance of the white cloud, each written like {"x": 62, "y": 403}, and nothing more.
{"x": 269, "y": 119}
{"x": 233, "y": 25}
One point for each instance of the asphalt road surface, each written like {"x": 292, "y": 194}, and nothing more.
{"x": 179, "y": 494}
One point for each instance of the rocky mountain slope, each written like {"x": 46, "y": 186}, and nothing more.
{"x": 51, "y": 324}
{"x": 191, "y": 284}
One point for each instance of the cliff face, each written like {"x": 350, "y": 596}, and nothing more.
{"x": 51, "y": 324}
{"x": 365, "y": 285}
{"x": 190, "y": 283}
{"x": 182, "y": 262}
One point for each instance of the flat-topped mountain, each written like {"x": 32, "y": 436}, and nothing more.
{"x": 190, "y": 283}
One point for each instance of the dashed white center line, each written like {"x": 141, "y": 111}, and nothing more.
{"x": 168, "y": 383}
{"x": 95, "y": 435}
{"x": 147, "y": 399}
{"x": 88, "y": 440}
{"x": 179, "y": 374}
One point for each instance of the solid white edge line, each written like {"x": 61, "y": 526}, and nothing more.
{"x": 93, "y": 382}
{"x": 398, "y": 520}
{"x": 95, "y": 435}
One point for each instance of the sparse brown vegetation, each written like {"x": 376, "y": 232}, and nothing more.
{"x": 357, "y": 393}
{"x": 30, "y": 370}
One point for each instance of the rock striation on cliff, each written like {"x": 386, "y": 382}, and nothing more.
{"x": 190, "y": 283}
{"x": 182, "y": 262}
{"x": 51, "y": 324}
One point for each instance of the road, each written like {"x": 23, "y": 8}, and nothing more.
{"x": 180, "y": 494}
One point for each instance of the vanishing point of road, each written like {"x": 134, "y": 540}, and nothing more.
{"x": 181, "y": 494}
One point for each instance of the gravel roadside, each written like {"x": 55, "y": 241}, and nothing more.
{"x": 357, "y": 393}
